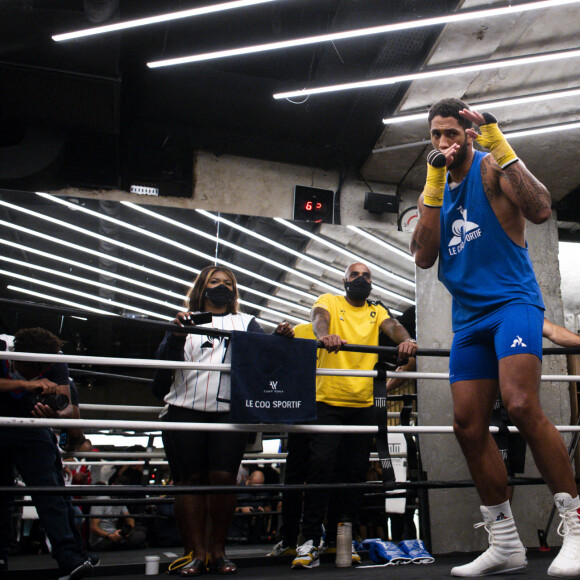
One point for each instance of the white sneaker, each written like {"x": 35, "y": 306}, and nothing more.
{"x": 306, "y": 556}
{"x": 505, "y": 554}
{"x": 279, "y": 549}
{"x": 567, "y": 562}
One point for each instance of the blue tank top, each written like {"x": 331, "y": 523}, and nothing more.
{"x": 479, "y": 264}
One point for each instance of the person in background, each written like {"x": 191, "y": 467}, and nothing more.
{"x": 198, "y": 457}
{"x": 82, "y": 474}
{"x": 408, "y": 320}
{"x": 340, "y": 400}
{"x": 246, "y": 528}
{"x": 112, "y": 528}
{"x": 33, "y": 451}
{"x": 402, "y": 526}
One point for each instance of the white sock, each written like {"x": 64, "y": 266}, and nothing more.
{"x": 501, "y": 511}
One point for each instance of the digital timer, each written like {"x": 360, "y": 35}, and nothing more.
{"x": 313, "y": 205}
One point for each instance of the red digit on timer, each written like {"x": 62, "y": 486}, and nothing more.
{"x": 308, "y": 206}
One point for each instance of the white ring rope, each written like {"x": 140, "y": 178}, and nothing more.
{"x": 153, "y": 410}
{"x": 112, "y": 361}
{"x": 75, "y": 465}
{"x": 121, "y": 408}
{"x": 153, "y": 363}
{"x": 225, "y": 427}
{"x": 159, "y": 454}
{"x": 266, "y": 459}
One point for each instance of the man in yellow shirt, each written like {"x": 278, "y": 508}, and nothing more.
{"x": 336, "y": 321}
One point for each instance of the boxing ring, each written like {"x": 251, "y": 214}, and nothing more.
{"x": 153, "y": 459}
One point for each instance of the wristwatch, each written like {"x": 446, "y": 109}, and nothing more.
{"x": 411, "y": 340}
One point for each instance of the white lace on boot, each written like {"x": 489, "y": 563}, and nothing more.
{"x": 505, "y": 554}
{"x": 567, "y": 562}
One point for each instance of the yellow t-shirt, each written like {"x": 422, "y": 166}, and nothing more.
{"x": 356, "y": 325}
{"x": 304, "y": 330}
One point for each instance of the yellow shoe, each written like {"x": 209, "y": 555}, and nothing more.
{"x": 355, "y": 556}
{"x": 306, "y": 556}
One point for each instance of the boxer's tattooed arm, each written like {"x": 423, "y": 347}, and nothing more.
{"x": 423, "y": 236}
{"x": 530, "y": 194}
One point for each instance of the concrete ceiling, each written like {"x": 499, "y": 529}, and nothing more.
{"x": 549, "y": 156}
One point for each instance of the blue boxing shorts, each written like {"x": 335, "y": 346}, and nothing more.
{"x": 476, "y": 350}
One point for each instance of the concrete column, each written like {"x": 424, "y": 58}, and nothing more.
{"x": 454, "y": 511}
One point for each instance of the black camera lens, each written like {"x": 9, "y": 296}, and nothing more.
{"x": 57, "y": 402}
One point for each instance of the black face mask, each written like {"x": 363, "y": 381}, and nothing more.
{"x": 358, "y": 289}
{"x": 219, "y": 295}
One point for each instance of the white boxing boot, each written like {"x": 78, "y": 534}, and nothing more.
{"x": 567, "y": 562}
{"x": 505, "y": 554}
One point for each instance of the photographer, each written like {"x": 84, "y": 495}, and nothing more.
{"x": 32, "y": 389}
{"x": 113, "y": 529}
{"x": 46, "y": 394}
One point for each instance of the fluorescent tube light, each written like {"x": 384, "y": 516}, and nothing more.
{"x": 437, "y": 73}
{"x": 284, "y": 248}
{"x": 29, "y": 293}
{"x": 85, "y": 295}
{"x": 88, "y": 282}
{"x": 382, "y": 243}
{"x": 164, "y": 240}
{"x": 132, "y": 265}
{"x": 349, "y": 34}
{"x": 375, "y": 267}
{"x": 173, "y": 307}
{"x": 523, "y": 100}
{"x": 55, "y": 221}
{"x": 98, "y": 271}
{"x": 266, "y": 240}
{"x": 542, "y": 130}
{"x": 214, "y": 238}
{"x": 96, "y": 253}
{"x": 509, "y": 134}
{"x": 151, "y": 255}
{"x": 159, "y": 18}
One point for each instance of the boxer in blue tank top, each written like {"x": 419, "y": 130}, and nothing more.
{"x": 472, "y": 217}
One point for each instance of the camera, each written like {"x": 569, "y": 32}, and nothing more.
{"x": 198, "y": 318}
{"x": 57, "y": 402}
{"x": 125, "y": 530}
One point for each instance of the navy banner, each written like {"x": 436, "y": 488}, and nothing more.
{"x": 273, "y": 378}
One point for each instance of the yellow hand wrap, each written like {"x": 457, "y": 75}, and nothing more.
{"x": 436, "y": 177}
{"x": 493, "y": 139}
